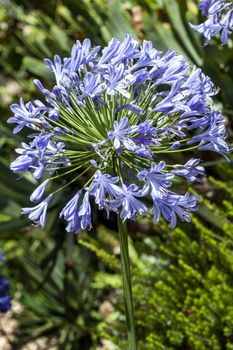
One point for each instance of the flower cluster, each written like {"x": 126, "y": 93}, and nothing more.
{"x": 5, "y": 299}
{"x": 109, "y": 119}
{"x": 219, "y": 20}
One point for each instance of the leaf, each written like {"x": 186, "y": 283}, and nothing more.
{"x": 59, "y": 37}
{"x": 173, "y": 11}
{"x": 118, "y": 15}
{"x": 35, "y": 66}
{"x": 13, "y": 226}
{"x": 65, "y": 12}
{"x": 4, "y": 217}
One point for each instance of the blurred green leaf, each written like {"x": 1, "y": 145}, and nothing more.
{"x": 35, "y": 66}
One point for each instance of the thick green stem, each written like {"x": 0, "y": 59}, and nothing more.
{"x": 127, "y": 288}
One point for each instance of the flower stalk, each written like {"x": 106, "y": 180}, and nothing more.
{"x": 127, "y": 286}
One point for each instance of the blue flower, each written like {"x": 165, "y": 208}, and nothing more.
{"x": 156, "y": 181}
{"x": 122, "y": 136}
{"x": 81, "y": 54}
{"x": 144, "y": 128}
{"x": 91, "y": 85}
{"x": 104, "y": 188}
{"x": 70, "y": 214}
{"x": 109, "y": 52}
{"x": 22, "y": 163}
{"x": 213, "y": 138}
{"x": 219, "y": 20}
{"x": 131, "y": 206}
{"x": 204, "y": 6}
{"x": 190, "y": 170}
{"x": 70, "y": 209}
{"x": 182, "y": 206}
{"x": 28, "y": 115}
{"x": 84, "y": 213}
{"x": 170, "y": 204}
{"x": 38, "y": 213}
{"x": 40, "y": 154}
{"x": 77, "y": 215}
{"x": 39, "y": 191}
{"x": 148, "y": 56}
{"x": 117, "y": 52}
{"x": 5, "y": 303}
{"x": 168, "y": 70}
{"x": 5, "y": 299}
{"x": 119, "y": 135}
{"x": 118, "y": 80}
{"x": 57, "y": 68}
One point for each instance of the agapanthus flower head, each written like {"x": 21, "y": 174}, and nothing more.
{"x": 219, "y": 19}
{"x": 5, "y": 299}
{"x": 107, "y": 125}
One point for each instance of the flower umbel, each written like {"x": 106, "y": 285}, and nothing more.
{"x": 108, "y": 123}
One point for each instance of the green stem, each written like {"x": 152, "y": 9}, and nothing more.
{"x": 127, "y": 288}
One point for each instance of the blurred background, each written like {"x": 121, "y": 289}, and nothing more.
{"x": 66, "y": 289}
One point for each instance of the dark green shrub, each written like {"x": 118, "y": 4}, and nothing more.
{"x": 182, "y": 285}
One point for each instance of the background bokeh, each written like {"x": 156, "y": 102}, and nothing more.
{"x": 67, "y": 288}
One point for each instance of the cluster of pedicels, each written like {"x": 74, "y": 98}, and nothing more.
{"x": 5, "y": 299}
{"x": 219, "y": 20}
{"x": 109, "y": 121}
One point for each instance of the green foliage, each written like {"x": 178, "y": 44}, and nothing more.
{"x": 183, "y": 286}
{"x": 182, "y": 278}
{"x": 59, "y": 300}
